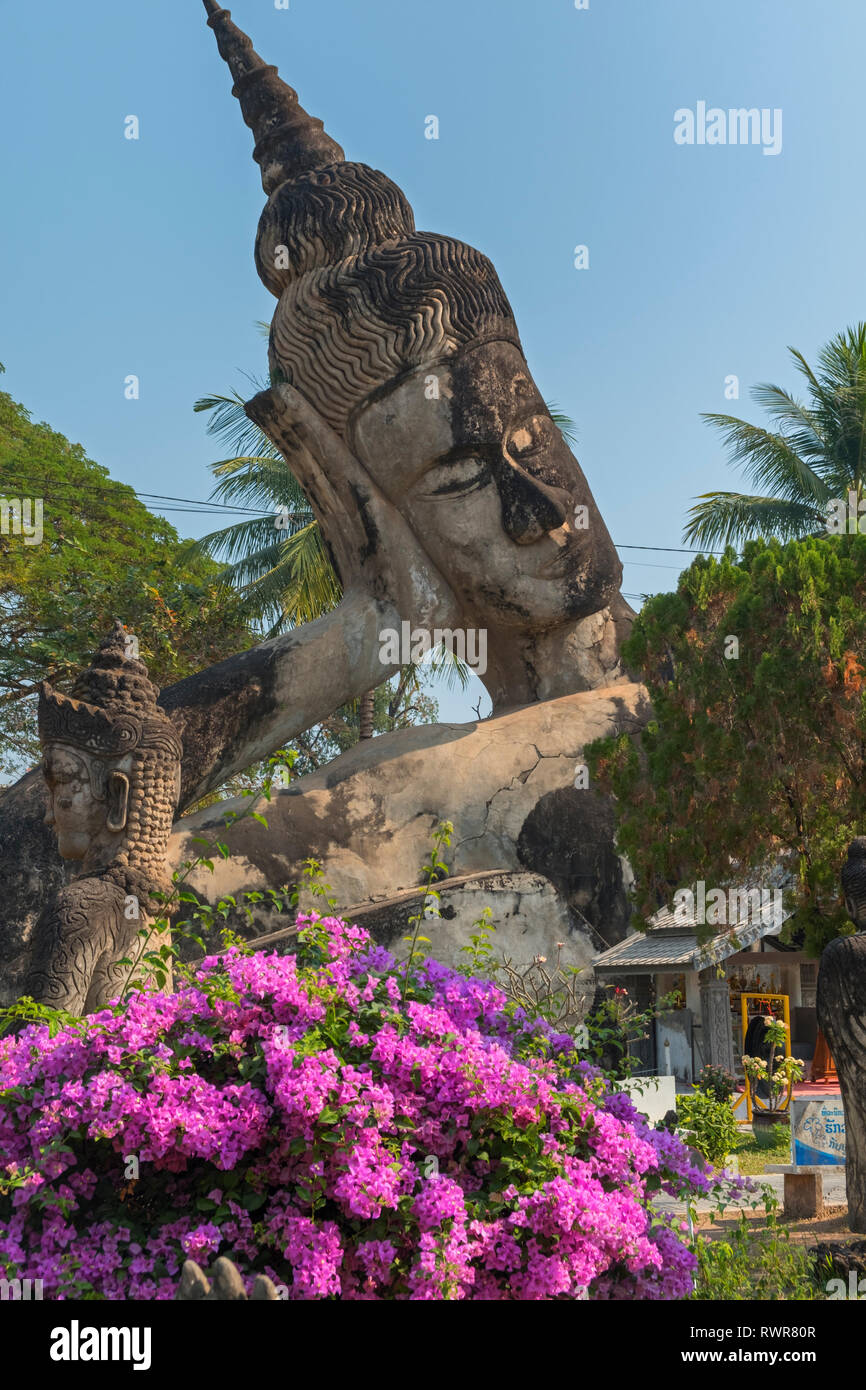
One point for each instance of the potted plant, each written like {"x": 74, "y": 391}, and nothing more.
{"x": 772, "y": 1078}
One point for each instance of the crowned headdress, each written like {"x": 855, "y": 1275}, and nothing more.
{"x": 112, "y": 716}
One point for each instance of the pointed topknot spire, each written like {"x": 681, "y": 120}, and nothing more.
{"x": 288, "y": 140}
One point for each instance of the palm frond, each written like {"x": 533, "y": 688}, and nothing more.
{"x": 768, "y": 460}
{"x": 241, "y": 538}
{"x": 443, "y": 662}
{"x": 277, "y": 561}
{"x": 564, "y": 423}
{"x": 267, "y": 483}
{"x": 230, "y": 424}
{"x": 816, "y": 453}
{"x": 731, "y": 518}
{"x": 801, "y": 428}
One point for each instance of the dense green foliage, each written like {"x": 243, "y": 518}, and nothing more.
{"x": 707, "y": 1125}
{"x": 716, "y": 1081}
{"x": 754, "y": 759}
{"x": 102, "y": 556}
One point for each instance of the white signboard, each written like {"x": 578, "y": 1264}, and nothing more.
{"x": 818, "y": 1130}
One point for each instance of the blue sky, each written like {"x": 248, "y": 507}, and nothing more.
{"x": 556, "y": 129}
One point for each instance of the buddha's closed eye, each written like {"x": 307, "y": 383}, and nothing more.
{"x": 456, "y": 477}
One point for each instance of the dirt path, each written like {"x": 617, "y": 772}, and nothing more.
{"x": 833, "y": 1225}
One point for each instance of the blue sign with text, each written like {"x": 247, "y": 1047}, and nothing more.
{"x": 818, "y": 1130}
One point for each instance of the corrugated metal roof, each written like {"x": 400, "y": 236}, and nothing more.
{"x": 653, "y": 949}
{"x": 671, "y": 942}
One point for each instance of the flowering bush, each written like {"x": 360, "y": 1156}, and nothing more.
{"x": 298, "y": 1115}
{"x": 717, "y": 1082}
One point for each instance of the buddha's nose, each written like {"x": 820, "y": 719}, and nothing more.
{"x": 530, "y": 509}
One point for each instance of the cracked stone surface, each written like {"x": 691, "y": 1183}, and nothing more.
{"x": 527, "y": 842}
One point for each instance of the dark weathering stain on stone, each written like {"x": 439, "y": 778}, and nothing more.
{"x": 31, "y": 872}
{"x": 374, "y": 540}
{"x": 212, "y": 725}
{"x": 568, "y": 837}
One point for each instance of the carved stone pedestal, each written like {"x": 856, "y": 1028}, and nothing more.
{"x": 804, "y": 1195}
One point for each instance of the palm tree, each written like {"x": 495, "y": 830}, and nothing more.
{"x": 815, "y": 452}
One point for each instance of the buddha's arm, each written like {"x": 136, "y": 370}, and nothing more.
{"x": 239, "y": 711}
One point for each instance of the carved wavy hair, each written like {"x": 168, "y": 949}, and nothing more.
{"x": 363, "y": 296}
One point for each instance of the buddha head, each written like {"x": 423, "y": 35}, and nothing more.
{"x": 405, "y": 344}
{"x": 111, "y": 761}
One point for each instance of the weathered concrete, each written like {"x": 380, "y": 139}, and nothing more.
{"x": 506, "y": 784}
{"x": 804, "y": 1194}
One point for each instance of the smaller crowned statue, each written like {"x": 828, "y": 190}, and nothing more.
{"x": 111, "y": 760}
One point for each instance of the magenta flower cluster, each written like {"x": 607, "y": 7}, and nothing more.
{"x": 301, "y": 1116}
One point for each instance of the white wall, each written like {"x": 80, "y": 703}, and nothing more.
{"x": 673, "y": 1029}
{"x": 653, "y": 1096}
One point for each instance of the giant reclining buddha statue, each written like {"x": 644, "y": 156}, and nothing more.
{"x": 448, "y": 499}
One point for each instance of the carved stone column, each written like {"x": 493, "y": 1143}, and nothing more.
{"x": 716, "y": 1019}
{"x": 842, "y": 1019}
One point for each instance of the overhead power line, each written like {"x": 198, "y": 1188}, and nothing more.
{"x": 194, "y": 505}
{"x": 673, "y": 549}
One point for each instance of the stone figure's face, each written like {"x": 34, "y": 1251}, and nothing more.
{"x": 86, "y": 803}
{"x": 469, "y": 454}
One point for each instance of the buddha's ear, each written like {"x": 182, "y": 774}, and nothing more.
{"x": 118, "y": 801}
{"x": 371, "y": 545}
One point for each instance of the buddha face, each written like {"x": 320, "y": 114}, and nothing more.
{"x": 87, "y": 802}
{"x": 470, "y": 456}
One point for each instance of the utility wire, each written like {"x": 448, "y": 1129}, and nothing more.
{"x": 193, "y": 505}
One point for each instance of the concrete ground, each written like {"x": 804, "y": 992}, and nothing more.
{"x": 834, "y": 1193}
